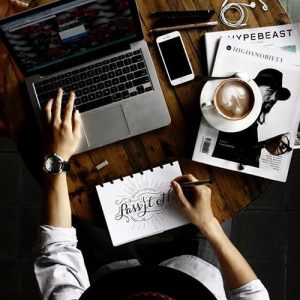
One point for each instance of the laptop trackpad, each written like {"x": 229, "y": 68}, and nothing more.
{"x": 103, "y": 127}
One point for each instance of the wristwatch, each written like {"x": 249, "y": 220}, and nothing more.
{"x": 54, "y": 164}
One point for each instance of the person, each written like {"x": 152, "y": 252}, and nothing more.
{"x": 269, "y": 82}
{"x": 60, "y": 268}
{"x": 244, "y": 147}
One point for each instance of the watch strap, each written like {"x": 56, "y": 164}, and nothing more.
{"x": 66, "y": 166}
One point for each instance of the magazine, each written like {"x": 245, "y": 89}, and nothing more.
{"x": 263, "y": 149}
{"x": 286, "y": 37}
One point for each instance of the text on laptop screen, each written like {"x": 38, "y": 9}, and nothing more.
{"x": 67, "y": 31}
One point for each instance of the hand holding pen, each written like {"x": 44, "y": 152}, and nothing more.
{"x": 190, "y": 184}
{"x": 195, "y": 202}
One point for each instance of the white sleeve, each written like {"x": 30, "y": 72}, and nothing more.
{"x": 59, "y": 268}
{"x": 253, "y": 290}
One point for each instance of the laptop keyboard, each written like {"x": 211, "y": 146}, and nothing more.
{"x": 100, "y": 83}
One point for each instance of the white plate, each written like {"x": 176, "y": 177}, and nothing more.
{"x": 223, "y": 124}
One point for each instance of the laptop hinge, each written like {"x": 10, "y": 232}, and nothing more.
{"x": 136, "y": 44}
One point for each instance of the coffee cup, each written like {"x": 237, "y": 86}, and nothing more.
{"x": 233, "y": 99}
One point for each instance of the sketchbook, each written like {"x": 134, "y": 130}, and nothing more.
{"x": 142, "y": 204}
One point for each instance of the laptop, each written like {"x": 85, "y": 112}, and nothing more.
{"x": 96, "y": 49}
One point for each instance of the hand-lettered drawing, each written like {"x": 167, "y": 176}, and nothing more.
{"x": 141, "y": 205}
{"x": 143, "y": 200}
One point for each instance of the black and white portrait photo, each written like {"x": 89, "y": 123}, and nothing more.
{"x": 245, "y": 147}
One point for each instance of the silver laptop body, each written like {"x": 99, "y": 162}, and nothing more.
{"x": 132, "y": 107}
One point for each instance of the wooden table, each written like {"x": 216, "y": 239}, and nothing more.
{"x": 232, "y": 191}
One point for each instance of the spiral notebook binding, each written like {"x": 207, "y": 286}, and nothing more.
{"x": 169, "y": 161}
{"x": 132, "y": 175}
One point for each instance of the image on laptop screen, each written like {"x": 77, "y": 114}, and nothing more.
{"x": 69, "y": 30}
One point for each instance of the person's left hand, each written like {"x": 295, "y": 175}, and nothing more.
{"x": 61, "y": 134}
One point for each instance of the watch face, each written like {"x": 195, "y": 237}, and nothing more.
{"x": 53, "y": 164}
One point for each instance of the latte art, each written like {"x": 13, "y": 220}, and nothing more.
{"x": 234, "y": 99}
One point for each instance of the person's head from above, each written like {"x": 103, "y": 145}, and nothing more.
{"x": 148, "y": 282}
{"x": 269, "y": 82}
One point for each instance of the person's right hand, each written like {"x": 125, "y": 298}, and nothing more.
{"x": 197, "y": 205}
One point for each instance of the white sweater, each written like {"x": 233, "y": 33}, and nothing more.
{"x": 62, "y": 275}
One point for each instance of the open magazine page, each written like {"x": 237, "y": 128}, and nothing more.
{"x": 264, "y": 148}
{"x": 286, "y": 37}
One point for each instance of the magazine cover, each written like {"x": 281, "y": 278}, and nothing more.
{"x": 286, "y": 37}
{"x": 264, "y": 148}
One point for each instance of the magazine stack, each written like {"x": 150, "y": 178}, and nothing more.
{"x": 258, "y": 136}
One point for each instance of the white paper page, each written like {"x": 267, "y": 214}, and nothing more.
{"x": 141, "y": 205}
{"x": 285, "y": 36}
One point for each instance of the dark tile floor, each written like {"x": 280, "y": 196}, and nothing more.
{"x": 19, "y": 211}
{"x": 267, "y": 233}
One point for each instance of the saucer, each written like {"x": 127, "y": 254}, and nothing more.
{"x": 223, "y": 124}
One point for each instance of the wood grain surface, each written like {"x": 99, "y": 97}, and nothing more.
{"x": 232, "y": 191}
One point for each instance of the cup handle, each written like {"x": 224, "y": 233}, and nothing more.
{"x": 207, "y": 104}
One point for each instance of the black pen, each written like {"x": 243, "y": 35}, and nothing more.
{"x": 183, "y": 13}
{"x": 195, "y": 183}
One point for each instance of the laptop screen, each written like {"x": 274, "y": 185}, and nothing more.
{"x": 60, "y": 33}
